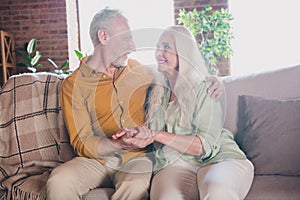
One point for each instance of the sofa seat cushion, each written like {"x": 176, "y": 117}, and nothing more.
{"x": 99, "y": 193}
{"x": 274, "y": 188}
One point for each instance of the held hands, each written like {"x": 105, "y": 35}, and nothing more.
{"x": 137, "y": 137}
{"x": 215, "y": 90}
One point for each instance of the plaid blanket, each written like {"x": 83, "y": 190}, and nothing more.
{"x": 33, "y": 138}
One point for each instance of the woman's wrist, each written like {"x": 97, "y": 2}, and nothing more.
{"x": 156, "y": 135}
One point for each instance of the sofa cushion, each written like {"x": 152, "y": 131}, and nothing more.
{"x": 274, "y": 188}
{"x": 270, "y": 136}
{"x": 99, "y": 193}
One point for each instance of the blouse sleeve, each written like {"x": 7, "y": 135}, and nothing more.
{"x": 207, "y": 123}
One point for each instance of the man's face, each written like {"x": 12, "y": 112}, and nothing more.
{"x": 121, "y": 43}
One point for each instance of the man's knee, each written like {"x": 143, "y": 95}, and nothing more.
{"x": 61, "y": 184}
{"x": 133, "y": 189}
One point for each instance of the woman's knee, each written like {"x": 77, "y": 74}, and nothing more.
{"x": 174, "y": 183}
{"x": 216, "y": 191}
{"x": 230, "y": 179}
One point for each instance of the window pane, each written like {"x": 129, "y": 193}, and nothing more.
{"x": 266, "y": 34}
{"x": 141, "y": 14}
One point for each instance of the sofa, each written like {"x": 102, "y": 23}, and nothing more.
{"x": 261, "y": 109}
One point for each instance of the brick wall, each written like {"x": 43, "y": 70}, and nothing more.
{"x": 199, "y": 4}
{"x": 224, "y": 64}
{"x": 44, "y": 20}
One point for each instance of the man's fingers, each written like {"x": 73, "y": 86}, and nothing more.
{"x": 218, "y": 97}
{"x": 214, "y": 88}
{"x": 119, "y": 134}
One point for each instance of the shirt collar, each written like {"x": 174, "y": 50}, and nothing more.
{"x": 87, "y": 71}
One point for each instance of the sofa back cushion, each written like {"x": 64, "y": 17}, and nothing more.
{"x": 271, "y": 134}
{"x": 279, "y": 83}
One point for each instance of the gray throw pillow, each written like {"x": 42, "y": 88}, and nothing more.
{"x": 270, "y": 134}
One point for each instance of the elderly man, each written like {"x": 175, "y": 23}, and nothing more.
{"x": 104, "y": 95}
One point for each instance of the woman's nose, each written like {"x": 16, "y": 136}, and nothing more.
{"x": 158, "y": 52}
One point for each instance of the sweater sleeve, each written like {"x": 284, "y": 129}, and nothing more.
{"x": 78, "y": 120}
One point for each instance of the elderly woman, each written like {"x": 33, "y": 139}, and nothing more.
{"x": 195, "y": 156}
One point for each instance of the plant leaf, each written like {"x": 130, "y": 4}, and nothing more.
{"x": 26, "y": 58}
{"x": 38, "y": 65}
{"x": 58, "y": 71}
{"x": 53, "y": 63}
{"x": 19, "y": 52}
{"x": 69, "y": 71}
{"x": 78, "y": 54}
{"x": 31, "y": 47}
{"x": 36, "y": 58}
{"x": 23, "y": 65}
{"x": 63, "y": 66}
{"x": 32, "y": 69}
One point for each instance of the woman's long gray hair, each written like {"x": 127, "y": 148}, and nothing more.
{"x": 192, "y": 71}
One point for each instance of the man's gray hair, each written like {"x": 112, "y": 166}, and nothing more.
{"x": 103, "y": 19}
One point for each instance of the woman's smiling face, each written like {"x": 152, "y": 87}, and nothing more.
{"x": 166, "y": 54}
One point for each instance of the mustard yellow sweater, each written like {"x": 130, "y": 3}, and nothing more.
{"x": 96, "y": 105}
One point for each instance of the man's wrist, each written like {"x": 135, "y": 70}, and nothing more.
{"x": 117, "y": 145}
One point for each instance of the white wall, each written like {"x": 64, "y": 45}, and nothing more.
{"x": 267, "y": 34}
{"x": 143, "y": 15}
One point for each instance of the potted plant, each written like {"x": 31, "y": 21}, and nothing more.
{"x": 213, "y": 32}
{"x": 31, "y": 59}
{"x": 31, "y": 56}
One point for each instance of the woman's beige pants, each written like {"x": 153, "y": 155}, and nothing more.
{"x": 226, "y": 180}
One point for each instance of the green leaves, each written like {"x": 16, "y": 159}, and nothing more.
{"x": 78, "y": 54}
{"x": 52, "y": 63}
{"x": 60, "y": 70}
{"x": 31, "y": 47}
{"x": 35, "y": 59}
{"x": 214, "y": 30}
{"x": 31, "y": 58}
{"x": 64, "y": 65}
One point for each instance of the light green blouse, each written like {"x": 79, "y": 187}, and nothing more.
{"x": 206, "y": 123}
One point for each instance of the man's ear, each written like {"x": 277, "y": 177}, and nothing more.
{"x": 102, "y": 36}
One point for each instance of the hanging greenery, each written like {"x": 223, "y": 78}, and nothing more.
{"x": 212, "y": 30}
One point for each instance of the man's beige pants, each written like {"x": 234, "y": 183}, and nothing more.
{"x": 73, "y": 179}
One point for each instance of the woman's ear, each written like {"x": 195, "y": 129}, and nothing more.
{"x": 102, "y": 36}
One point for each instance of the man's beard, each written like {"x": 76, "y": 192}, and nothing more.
{"x": 120, "y": 63}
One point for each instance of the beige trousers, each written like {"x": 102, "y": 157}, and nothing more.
{"x": 73, "y": 179}
{"x": 226, "y": 180}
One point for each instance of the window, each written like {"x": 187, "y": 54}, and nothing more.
{"x": 267, "y": 35}
{"x": 146, "y": 18}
